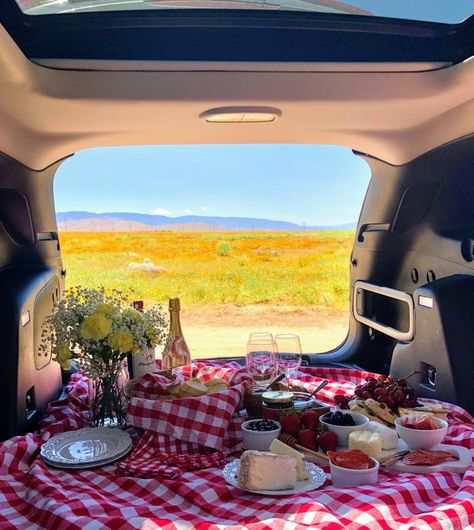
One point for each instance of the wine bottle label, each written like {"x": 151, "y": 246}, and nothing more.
{"x": 143, "y": 363}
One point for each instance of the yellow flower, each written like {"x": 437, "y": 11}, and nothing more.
{"x": 63, "y": 355}
{"x": 132, "y": 314}
{"x": 121, "y": 340}
{"x": 97, "y": 327}
{"x": 105, "y": 309}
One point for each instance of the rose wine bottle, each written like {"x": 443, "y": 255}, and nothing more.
{"x": 176, "y": 355}
{"x": 141, "y": 363}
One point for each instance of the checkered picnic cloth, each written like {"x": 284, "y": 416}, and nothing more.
{"x": 34, "y": 496}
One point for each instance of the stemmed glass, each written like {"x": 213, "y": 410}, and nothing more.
{"x": 260, "y": 335}
{"x": 261, "y": 361}
{"x": 288, "y": 349}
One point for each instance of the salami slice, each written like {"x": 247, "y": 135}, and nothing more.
{"x": 427, "y": 457}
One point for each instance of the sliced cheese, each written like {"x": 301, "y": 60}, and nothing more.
{"x": 389, "y": 435}
{"x": 280, "y": 448}
{"x": 368, "y": 442}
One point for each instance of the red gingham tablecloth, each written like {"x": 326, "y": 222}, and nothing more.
{"x": 34, "y": 496}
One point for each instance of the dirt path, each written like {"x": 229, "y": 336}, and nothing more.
{"x": 216, "y": 331}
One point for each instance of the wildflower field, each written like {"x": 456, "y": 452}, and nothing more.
{"x": 276, "y": 268}
{"x": 229, "y": 283}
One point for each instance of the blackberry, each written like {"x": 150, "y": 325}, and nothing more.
{"x": 262, "y": 426}
{"x": 339, "y": 418}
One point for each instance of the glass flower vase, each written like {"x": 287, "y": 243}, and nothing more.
{"x": 106, "y": 398}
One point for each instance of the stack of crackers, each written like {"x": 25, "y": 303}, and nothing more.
{"x": 381, "y": 413}
{"x": 373, "y": 410}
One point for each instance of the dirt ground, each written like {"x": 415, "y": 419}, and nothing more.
{"x": 217, "y": 331}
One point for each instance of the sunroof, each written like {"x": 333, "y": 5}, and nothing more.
{"x": 444, "y": 11}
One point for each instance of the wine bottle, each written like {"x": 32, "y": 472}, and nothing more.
{"x": 176, "y": 355}
{"x": 141, "y": 363}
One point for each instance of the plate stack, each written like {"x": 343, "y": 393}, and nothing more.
{"x": 86, "y": 448}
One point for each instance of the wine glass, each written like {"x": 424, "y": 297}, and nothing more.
{"x": 288, "y": 348}
{"x": 261, "y": 361}
{"x": 260, "y": 335}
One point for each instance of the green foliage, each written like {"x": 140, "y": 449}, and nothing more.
{"x": 223, "y": 248}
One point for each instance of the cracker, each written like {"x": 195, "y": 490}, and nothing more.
{"x": 357, "y": 406}
{"x": 426, "y": 412}
{"x": 380, "y": 410}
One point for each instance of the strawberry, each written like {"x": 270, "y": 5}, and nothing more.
{"x": 310, "y": 419}
{"x": 328, "y": 441}
{"x": 290, "y": 424}
{"x": 309, "y": 439}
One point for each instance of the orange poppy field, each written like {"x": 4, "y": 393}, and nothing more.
{"x": 225, "y": 279}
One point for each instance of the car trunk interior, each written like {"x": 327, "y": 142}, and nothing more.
{"x": 409, "y": 117}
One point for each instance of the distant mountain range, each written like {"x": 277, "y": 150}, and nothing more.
{"x": 134, "y": 222}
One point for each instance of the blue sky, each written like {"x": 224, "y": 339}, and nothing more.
{"x": 315, "y": 185}
{"x": 451, "y": 11}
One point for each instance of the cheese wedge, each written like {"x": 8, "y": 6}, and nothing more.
{"x": 389, "y": 436}
{"x": 280, "y": 448}
{"x": 266, "y": 471}
{"x": 368, "y": 442}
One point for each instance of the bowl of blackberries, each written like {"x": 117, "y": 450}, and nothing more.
{"x": 259, "y": 434}
{"x": 343, "y": 423}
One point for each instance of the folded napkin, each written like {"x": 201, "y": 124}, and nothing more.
{"x": 156, "y": 455}
{"x": 186, "y": 433}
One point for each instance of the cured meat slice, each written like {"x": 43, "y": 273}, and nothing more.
{"x": 351, "y": 459}
{"x": 428, "y": 457}
{"x": 424, "y": 423}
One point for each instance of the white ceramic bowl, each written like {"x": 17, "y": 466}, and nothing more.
{"x": 343, "y": 478}
{"x": 419, "y": 439}
{"x": 342, "y": 431}
{"x": 259, "y": 440}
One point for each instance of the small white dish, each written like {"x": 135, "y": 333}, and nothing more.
{"x": 342, "y": 431}
{"x": 317, "y": 477}
{"x": 418, "y": 438}
{"x": 88, "y": 446}
{"x": 343, "y": 477}
{"x": 259, "y": 440}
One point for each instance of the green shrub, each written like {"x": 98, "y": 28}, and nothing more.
{"x": 223, "y": 248}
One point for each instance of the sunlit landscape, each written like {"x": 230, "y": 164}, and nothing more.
{"x": 229, "y": 283}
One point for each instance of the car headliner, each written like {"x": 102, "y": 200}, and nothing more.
{"x": 396, "y": 112}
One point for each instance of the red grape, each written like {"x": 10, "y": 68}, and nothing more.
{"x": 399, "y": 395}
{"x": 380, "y": 392}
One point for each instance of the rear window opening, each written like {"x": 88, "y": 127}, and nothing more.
{"x": 250, "y": 237}
{"x": 445, "y": 11}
